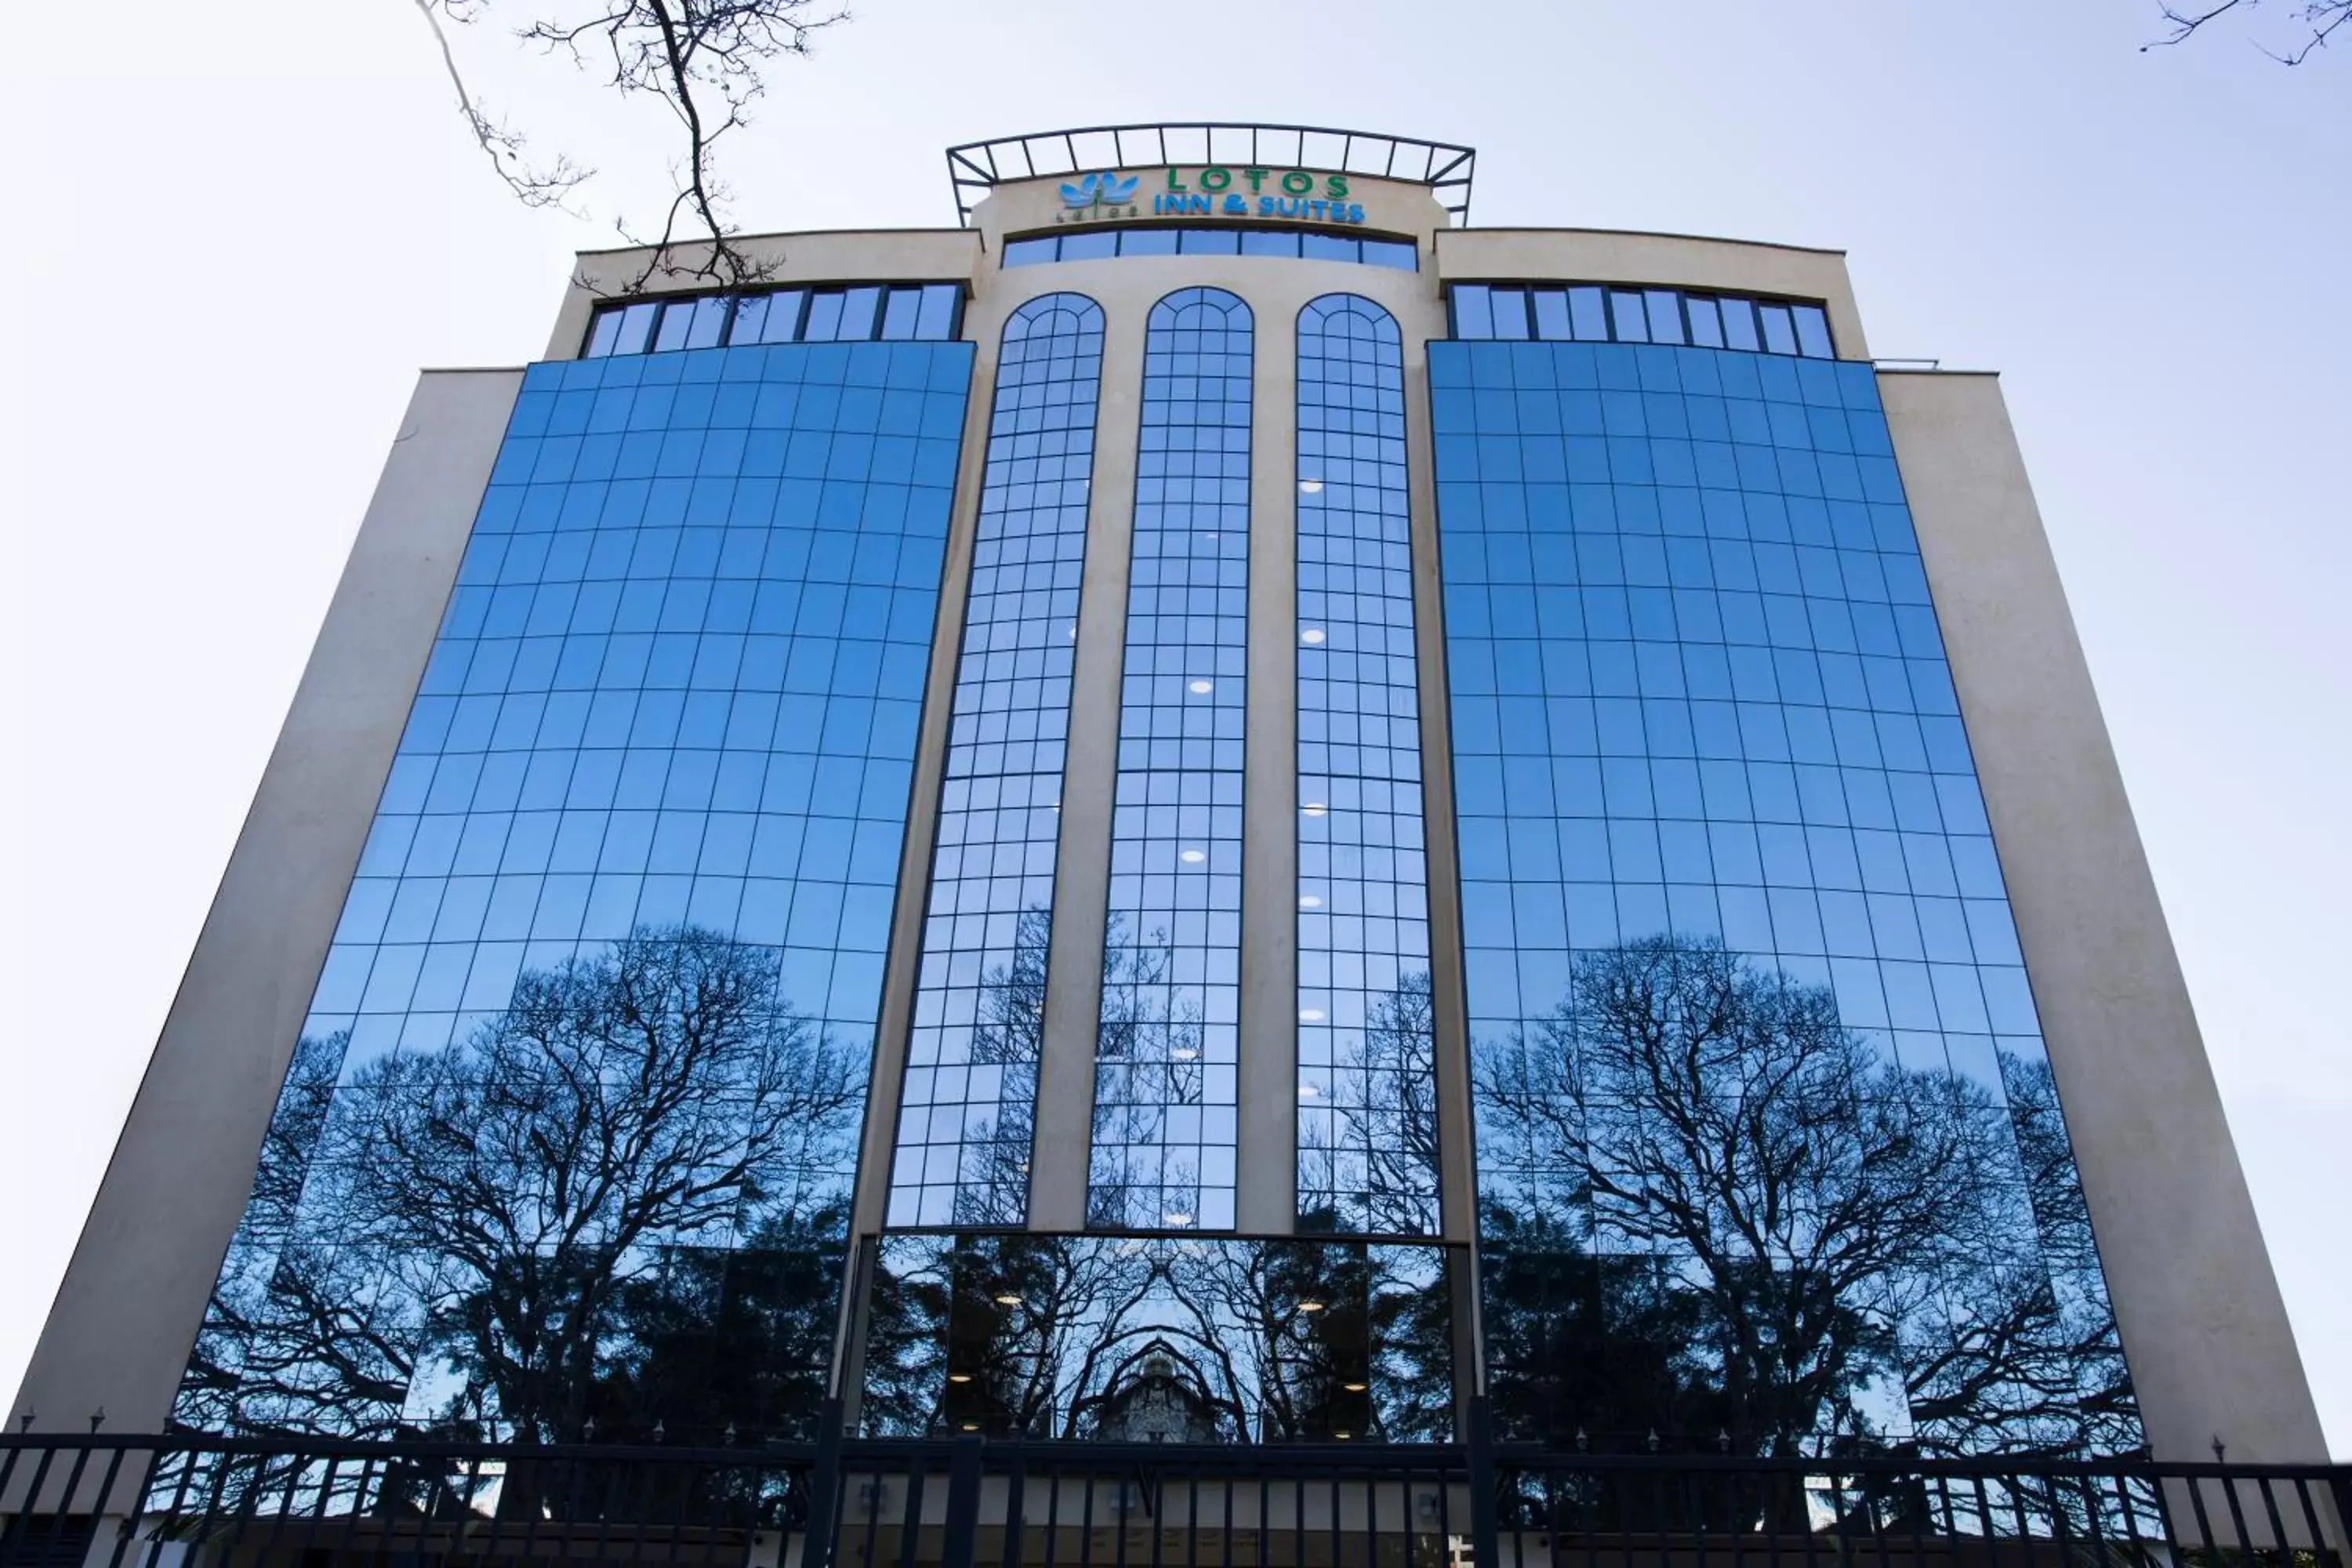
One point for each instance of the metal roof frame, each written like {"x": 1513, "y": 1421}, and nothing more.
{"x": 1444, "y": 167}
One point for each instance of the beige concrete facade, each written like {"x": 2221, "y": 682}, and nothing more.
{"x": 119, "y": 1334}
{"x": 2202, "y": 1322}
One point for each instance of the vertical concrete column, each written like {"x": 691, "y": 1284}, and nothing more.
{"x": 1267, "y": 1164}
{"x": 1065, "y": 1076}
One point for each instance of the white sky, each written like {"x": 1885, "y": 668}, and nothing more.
{"x": 230, "y": 244}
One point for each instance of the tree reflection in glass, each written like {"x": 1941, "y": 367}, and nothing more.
{"x": 623, "y": 1198}
{"x": 1712, "y": 1210}
{"x": 1159, "y": 1339}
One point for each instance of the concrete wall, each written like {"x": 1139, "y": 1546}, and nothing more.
{"x": 2203, "y": 1327}
{"x": 134, "y": 1294}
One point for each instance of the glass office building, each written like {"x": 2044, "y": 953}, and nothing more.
{"x": 1213, "y": 806}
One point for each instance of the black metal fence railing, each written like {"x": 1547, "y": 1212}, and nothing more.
{"x": 183, "y": 1502}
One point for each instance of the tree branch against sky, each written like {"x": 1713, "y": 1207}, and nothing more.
{"x": 706, "y": 61}
{"x": 2308, "y": 25}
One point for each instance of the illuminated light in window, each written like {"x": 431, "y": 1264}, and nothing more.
{"x": 1355, "y": 1387}
{"x": 1310, "y": 902}
{"x": 1311, "y": 634}
{"x": 1201, "y": 687}
{"x": 1310, "y": 487}
{"x": 958, "y": 1377}
{"x": 1314, "y": 808}
{"x": 1184, "y": 1053}
{"x": 1310, "y": 1015}
{"x": 1009, "y": 1299}
{"x": 971, "y": 1426}
{"x": 1311, "y": 1306}
{"x": 1179, "y": 1219}
{"x": 1192, "y": 856}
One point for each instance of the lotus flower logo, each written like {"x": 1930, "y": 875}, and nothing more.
{"x": 1088, "y": 189}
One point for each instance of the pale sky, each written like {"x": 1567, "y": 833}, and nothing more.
{"x": 231, "y": 245}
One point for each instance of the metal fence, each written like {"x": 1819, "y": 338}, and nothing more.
{"x": 969, "y": 1503}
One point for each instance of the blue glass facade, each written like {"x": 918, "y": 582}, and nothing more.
{"x": 1367, "y": 1044}
{"x": 572, "y": 1128}
{"x": 968, "y": 1109}
{"x": 1767, "y": 1142}
{"x": 1168, "y": 1052}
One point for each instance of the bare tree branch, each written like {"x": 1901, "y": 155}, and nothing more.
{"x": 2318, "y": 19}
{"x": 502, "y": 144}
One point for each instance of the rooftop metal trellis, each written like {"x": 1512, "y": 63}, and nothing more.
{"x": 1444, "y": 167}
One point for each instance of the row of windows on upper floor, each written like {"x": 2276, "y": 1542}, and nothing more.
{"x": 1580, "y": 312}
{"x": 1592, "y": 312}
{"x": 1093, "y": 244}
{"x": 856, "y": 314}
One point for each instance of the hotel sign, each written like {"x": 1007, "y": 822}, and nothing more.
{"x": 1212, "y": 191}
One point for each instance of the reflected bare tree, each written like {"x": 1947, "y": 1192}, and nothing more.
{"x": 510, "y": 1234}
{"x": 1375, "y": 1171}
{"x": 1008, "y": 1035}
{"x": 1717, "y": 1210}
{"x": 1148, "y": 1063}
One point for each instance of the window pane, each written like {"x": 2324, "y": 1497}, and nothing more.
{"x": 1023, "y": 252}
{"x": 1590, "y": 317}
{"x": 1148, "y": 242}
{"x": 784, "y": 322}
{"x": 899, "y": 310}
{"x": 1666, "y": 316}
{"x": 1812, "y": 332}
{"x": 710, "y": 323}
{"x": 823, "y": 317}
{"x": 937, "y": 323}
{"x": 1474, "y": 312}
{"x": 1091, "y": 247}
{"x": 1329, "y": 247}
{"x": 1551, "y": 314}
{"x": 677, "y": 319}
{"x": 751, "y": 318}
{"x": 637, "y": 326}
{"x": 603, "y": 333}
{"x": 858, "y": 309}
{"x": 1738, "y": 323}
{"x": 1706, "y": 326}
{"x": 1779, "y": 337}
{"x": 1628, "y": 317}
{"x": 1401, "y": 254}
{"x": 1210, "y": 242}
{"x": 1259, "y": 242}
{"x": 1510, "y": 312}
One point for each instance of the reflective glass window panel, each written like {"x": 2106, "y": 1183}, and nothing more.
{"x": 1812, "y": 332}
{"x": 1269, "y": 242}
{"x": 967, "y": 1112}
{"x": 1724, "y": 866}
{"x": 603, "y": 333}
{"x": 785, "y": 307}
{"x": 1210, "y": 242}
{"x": 1666, "y": 316}
{"x": 1366, "y": 1050}
{"x": 1329, "y": 247}
{"x": 676, "y": 321}
{"x": 1167, "y": 1055}
{"x": 1551, "y": 313}
{"x": 1706, "y": 322}
{"x": 1401, "y": 254}
{"x": 1091, "y": 246}
{"x": 1023, "y": 252}
{"x": 1589, "y": 314}
{"x": 1780, "y": 336}
{"x": 937, "y": 319}
{"x": 1739, "y": 325}
{"x": 750, "y": 319}
{"x": 1628, "y": 317}
{"x": 900, "y": 309}
{"x": 636, "y": 327}
{"x": 1473, "y": 310}
{"x": 860, "y": 309}
{"x": 710, "y": 323}
{"x": 1510, "y": 306}
{"x": 1148, "y": 242}
{"x": 822, "y": 323}
{"x": 656, "y": 769}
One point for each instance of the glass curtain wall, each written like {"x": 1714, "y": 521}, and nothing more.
{"x": 1770, "y": 1156}
{"x": 968, "y": 1110}
{"x": 1167, "y": 1055}
{"x": 1366, "y": 1053}
{"x": 568, "y": 1140}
